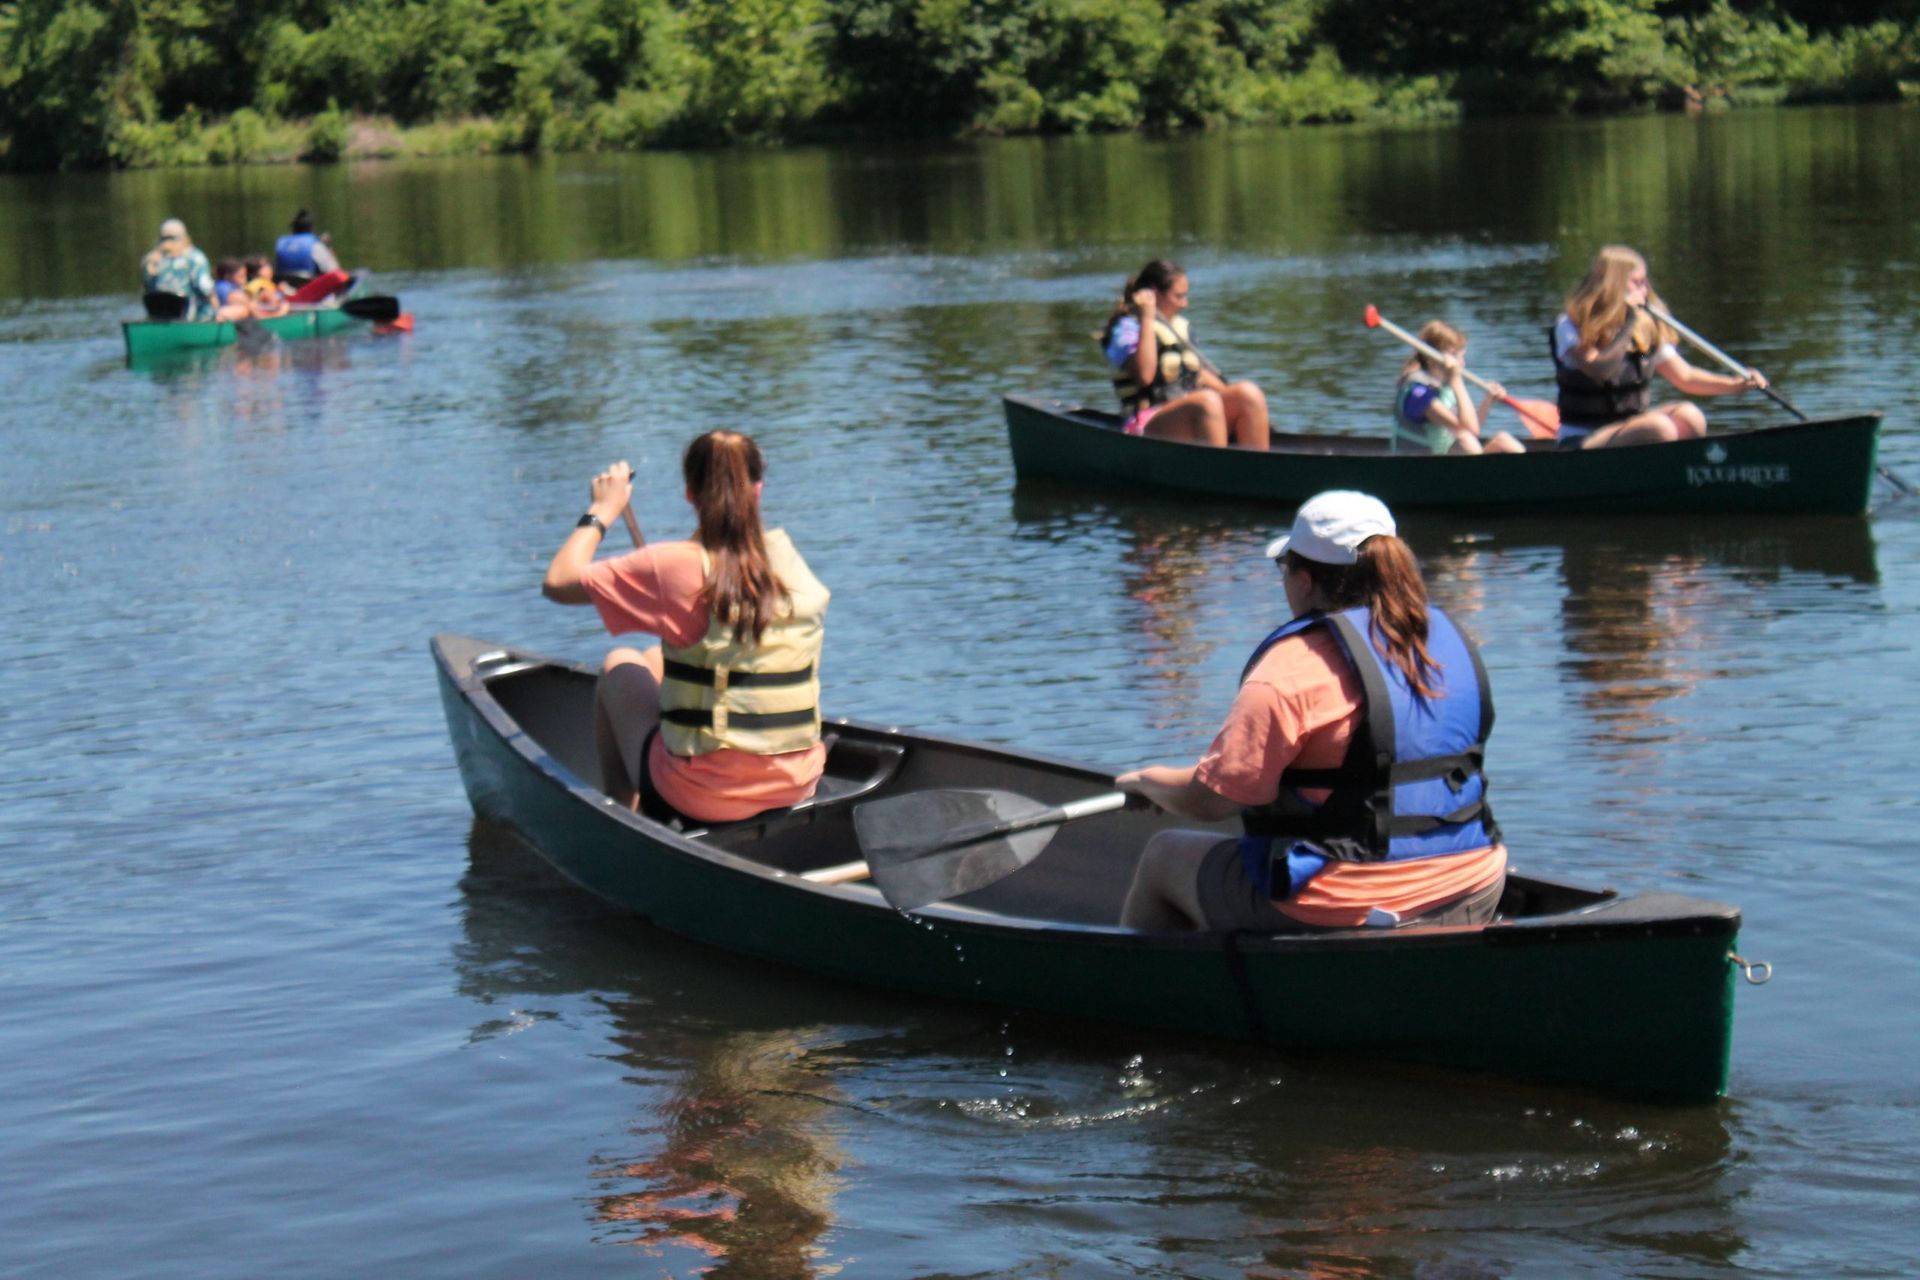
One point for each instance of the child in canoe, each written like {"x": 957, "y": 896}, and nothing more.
{"x": 1431, "y": 407}
{"x": 262, "y": 291}
{"x": 230, "y": 290}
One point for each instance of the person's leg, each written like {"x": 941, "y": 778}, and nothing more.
{"x": 1651, "y": 427}
{"x": 1165, "y": 890}
{"x": 1246, "y": 409}
{"x": 1198, "y": 417}
{"x": 626, "y": 707}
{"x": 1503, "y": 443}
{"x": 1689, "y": 421}
{"x": 1478, "y": 907}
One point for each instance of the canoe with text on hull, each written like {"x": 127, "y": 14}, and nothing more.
{"x": 1626, "y": 994}
{"x": 146, "y": 338}
{"x": 1825, "y": 466}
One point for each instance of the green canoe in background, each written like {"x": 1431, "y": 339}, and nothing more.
{"x": 1825, "y": 467}
{"x": 1624, "y": 993}
{"x": 160, "y": 337}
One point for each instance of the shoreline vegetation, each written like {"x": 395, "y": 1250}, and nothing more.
{"x": 167, "y": 83}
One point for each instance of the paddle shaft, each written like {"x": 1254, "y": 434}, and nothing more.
{"x": 1433, "y": 354}
{"x": 1728, "y": 362}
{"x": 1045, "y": 818}
{"x": 1734, "y": 366}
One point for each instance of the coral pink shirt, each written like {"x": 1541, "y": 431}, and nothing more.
{"x": 1301, "y": 705}
{"x": 656, "y": 590}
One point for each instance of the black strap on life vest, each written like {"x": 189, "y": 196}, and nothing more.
{"x": 703, "y": 718}
{"x": 687, "y": 673}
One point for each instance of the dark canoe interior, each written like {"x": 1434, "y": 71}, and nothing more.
{"x": 1081, "y": 878}
{"x": 1380, "y": 446}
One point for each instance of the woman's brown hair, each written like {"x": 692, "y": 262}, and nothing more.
{"x": 1157, "y": 275}
{"x": 1387, "y": 580}
{"x": 721, "y": 470}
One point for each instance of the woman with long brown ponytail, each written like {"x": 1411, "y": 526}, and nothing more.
{"x": 721, "y": 720}
{"x": 1351, "y": 754}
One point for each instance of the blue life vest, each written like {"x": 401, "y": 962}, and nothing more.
{"x": 223, "y": 290}
{"x": 1411, "y": 785}
{"x": 293, "y": 254}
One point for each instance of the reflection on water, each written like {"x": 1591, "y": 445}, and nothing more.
{"x": 752, "y": 1084}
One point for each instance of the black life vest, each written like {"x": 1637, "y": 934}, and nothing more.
{"x": 1588, "y": 402}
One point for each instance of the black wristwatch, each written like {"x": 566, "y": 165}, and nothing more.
{"x": 594, "y": 520}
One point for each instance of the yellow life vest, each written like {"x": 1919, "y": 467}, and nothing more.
{"x": 761, "y": 698}
{"x": 1179, "y": 370}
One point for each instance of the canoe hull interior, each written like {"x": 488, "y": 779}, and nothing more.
{"x": 1629, "y": 995}
{"x": 1822, "y": 467}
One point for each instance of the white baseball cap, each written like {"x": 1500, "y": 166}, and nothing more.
{"x": 1330, "y": 526}
{"x": 173, "y": 229}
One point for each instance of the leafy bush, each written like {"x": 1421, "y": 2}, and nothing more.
{"x": 327, "y": 136}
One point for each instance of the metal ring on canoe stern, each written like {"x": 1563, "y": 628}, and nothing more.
{"x": 1757, "y": 972}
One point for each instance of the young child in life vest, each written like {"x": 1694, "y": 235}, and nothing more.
{"x": 262, "y": 291}
{"x": 1431, "y": 408}
{"x": 230, "y": 290}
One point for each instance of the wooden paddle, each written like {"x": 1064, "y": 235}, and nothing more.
{"x": 928, "y": 846}
{"x": 1541, "y": 416}
{"x": 1734, "y": 366}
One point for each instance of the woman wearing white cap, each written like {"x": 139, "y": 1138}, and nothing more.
{"x": 174, "y": 267}
{"x": 1352, "y": 754}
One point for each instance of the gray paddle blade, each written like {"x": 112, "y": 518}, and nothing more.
{"x": 909, "y": 842}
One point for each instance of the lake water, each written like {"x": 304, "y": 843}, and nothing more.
{"x": 276, "y": 1004}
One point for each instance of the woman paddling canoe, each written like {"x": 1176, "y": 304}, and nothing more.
{"x": 1351, "y": 753}
{"x": 721, "y": 720}
{"x": 1167, "y": 388}
{"x": 1606, "y": 349}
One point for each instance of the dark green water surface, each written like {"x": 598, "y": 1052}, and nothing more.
{"x": 275, "y": 1004}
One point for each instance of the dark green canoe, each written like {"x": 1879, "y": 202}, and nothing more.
{"x": 1627, "y": 994}
{"x": 1821, "y": 467}
{"x": 160, "y": 337}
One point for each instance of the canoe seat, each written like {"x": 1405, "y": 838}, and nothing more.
{"x": 856, "y": 767}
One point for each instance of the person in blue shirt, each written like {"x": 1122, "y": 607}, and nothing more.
{"x": 1167, "y": 388}
{"x": 301, "y": 254}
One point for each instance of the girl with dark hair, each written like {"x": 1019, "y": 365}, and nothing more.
{"x": 1166, "y": 387}
{"x": 721, "y": 720}
{"x": 1606, "y": 349}
{"x": 1351, "y": 755}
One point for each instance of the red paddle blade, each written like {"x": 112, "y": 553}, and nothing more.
{"x": 1541, "y": 416}
{"x": 1373, "y": 316}
{"x": 402, "y": 323}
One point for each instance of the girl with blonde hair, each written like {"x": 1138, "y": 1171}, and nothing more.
{"x": 1606, "y": 349}
{"x": 1431, "y": 407}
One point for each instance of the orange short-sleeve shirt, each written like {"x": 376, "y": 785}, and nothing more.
{"x": 656, "y": 590}
{"x": 1301, "y": 704}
